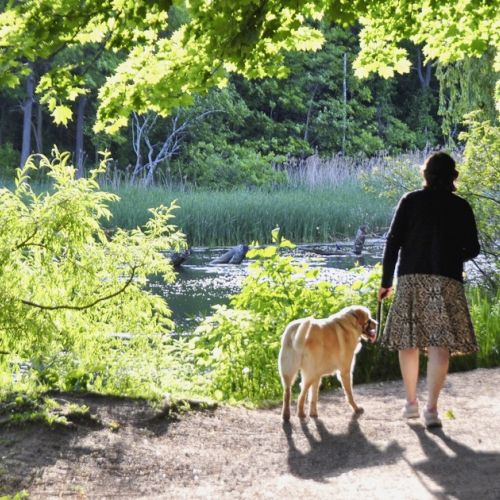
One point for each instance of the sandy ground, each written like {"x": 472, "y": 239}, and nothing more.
{"x": 126, "y": 450}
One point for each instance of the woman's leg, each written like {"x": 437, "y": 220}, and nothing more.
{"x": 437, "y": 368}
{"x": 408, "y": 362}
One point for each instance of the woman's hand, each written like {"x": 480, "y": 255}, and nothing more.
{"x": 384, "y": 293}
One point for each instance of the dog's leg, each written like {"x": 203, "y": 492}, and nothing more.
{"x": 287, "y": 396}
{"x": 346, "y": 379}
{"x": 302, "y": 398}
{"x": 313, "y": 398}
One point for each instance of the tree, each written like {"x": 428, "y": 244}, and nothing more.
{"x": 466, "y": 86}
{"x": 480, "y": 181}
{"x": 162, "y": 72}
{"x": 27, "y": 112}
{"x": 150, "y": 153}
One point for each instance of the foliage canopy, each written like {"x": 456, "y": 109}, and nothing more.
{"x": 164, "y": 68}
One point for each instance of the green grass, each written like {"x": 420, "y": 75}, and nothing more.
{"x": 484, "y": 305}
{"x": 211, "y": 218}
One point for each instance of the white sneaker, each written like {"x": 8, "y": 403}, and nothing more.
{"x": 410, "y": 410}
{"x": 431, "y": 419}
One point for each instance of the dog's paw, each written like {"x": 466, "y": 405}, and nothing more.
{"x": 285, "y": 417}
{"x": 358, "y": 410}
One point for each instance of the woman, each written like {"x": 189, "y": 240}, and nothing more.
{"x": 433, "y": 232}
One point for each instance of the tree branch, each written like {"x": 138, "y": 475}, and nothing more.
{"x": 25, "y": 242}
{"x": 494, "y": 200}
{"x": 87, "y": 306}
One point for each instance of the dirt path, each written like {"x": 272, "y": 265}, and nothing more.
{"x": 124, "y": 452}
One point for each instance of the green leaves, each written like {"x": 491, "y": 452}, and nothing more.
{"x": 164, "y": 68}
{"x": 61, "y": 115}
{"x": 70, "y": 292}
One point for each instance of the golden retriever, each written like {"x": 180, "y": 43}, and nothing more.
{"x": 320, "y": 347}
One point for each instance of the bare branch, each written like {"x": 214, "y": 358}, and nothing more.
{"x": 490, "y": 198}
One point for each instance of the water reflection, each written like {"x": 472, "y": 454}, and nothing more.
{"x": 200, "y": 285}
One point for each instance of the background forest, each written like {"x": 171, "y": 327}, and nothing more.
{"x": 235, "y": 136}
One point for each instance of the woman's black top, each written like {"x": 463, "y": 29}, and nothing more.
{"x": 435, "y": 233}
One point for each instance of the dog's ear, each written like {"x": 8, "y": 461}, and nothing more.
{"x": 361, "y": 315}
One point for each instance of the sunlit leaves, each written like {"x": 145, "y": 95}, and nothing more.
{"x": 162, "y": 72}
{"x": 63, "y": 280}
{"x": 448, "y": 31}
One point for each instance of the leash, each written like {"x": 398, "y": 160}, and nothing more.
{"x": 380, "y": 319}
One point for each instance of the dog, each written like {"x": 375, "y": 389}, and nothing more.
{"x": 320, "y": 347}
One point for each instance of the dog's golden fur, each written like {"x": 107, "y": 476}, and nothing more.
{"x": 319, "y": 347}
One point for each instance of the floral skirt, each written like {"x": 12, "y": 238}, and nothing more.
{"x": 429, "y": 310}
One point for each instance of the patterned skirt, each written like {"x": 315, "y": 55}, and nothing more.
{"x": 429, "y": 310}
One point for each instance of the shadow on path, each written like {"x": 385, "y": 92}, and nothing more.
{"x": 458, "y": 470}
{"x": 333, "y": 454}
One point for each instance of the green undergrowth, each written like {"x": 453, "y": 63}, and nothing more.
{"x": 23, "y": 408}
{"x": 232, "y": 355}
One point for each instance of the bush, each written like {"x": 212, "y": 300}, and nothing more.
{"x": 74, "y": 304}
{"x": 227, "y": 166}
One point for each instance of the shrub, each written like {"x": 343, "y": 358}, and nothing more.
{"x": 227, "y": 166}
{"x": 74, "y": 304}
{"x": 237, "y": 347}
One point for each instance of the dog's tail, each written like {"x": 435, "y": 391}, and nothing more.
{"x": 292, "y": 344}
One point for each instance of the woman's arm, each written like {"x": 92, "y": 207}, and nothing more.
{"x": 394, "y": 241}
{"x": 470, "y": 247}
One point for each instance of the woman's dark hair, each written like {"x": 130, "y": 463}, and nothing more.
{"x": 439, "y": 172}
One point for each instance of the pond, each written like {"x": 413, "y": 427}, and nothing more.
{"x": 200, "y": 285}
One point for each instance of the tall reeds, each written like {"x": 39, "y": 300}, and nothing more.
{"x": 211, "y": 218}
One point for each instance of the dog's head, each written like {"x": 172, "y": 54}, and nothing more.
{"x": 366, "y": 322}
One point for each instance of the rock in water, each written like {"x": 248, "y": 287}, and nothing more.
{"x": 233, "y": 256}
{"x": 178, "y": 258}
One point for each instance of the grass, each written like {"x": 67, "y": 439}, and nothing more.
{"x": 211, "y": 218}
{"x": 484, "y": 306}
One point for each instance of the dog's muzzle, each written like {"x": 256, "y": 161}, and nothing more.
{"x": 370, "y": 330}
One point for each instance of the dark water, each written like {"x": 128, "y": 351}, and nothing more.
{"x": 200, "y": 285}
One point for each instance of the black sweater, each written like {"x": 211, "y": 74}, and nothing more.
{"x": 435, "y": 233}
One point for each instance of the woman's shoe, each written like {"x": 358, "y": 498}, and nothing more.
{"x": 431, "y": 419}
{"x": 410, "y": 410}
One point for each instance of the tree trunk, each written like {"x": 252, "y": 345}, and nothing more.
{"x": 27, "y": 111}
{"x": 38, "y": 129}
{"x": 309, "y": 110}
{"x": 425, "y": 79}
{"x": 344, "y": 94}
{"x": 80, "y": 121}
{"x": 2, "y": 121}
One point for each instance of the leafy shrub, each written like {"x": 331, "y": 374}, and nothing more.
{"x": 236, "y": 349}
{"x": 227, "y": 166}
{"x": 394, "y": 178}
{"x": 74, "y": 304}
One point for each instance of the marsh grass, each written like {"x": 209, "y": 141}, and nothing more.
{"x": 213, "y": 218}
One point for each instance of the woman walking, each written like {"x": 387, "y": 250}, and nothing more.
{"x": 433, "y": 232}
